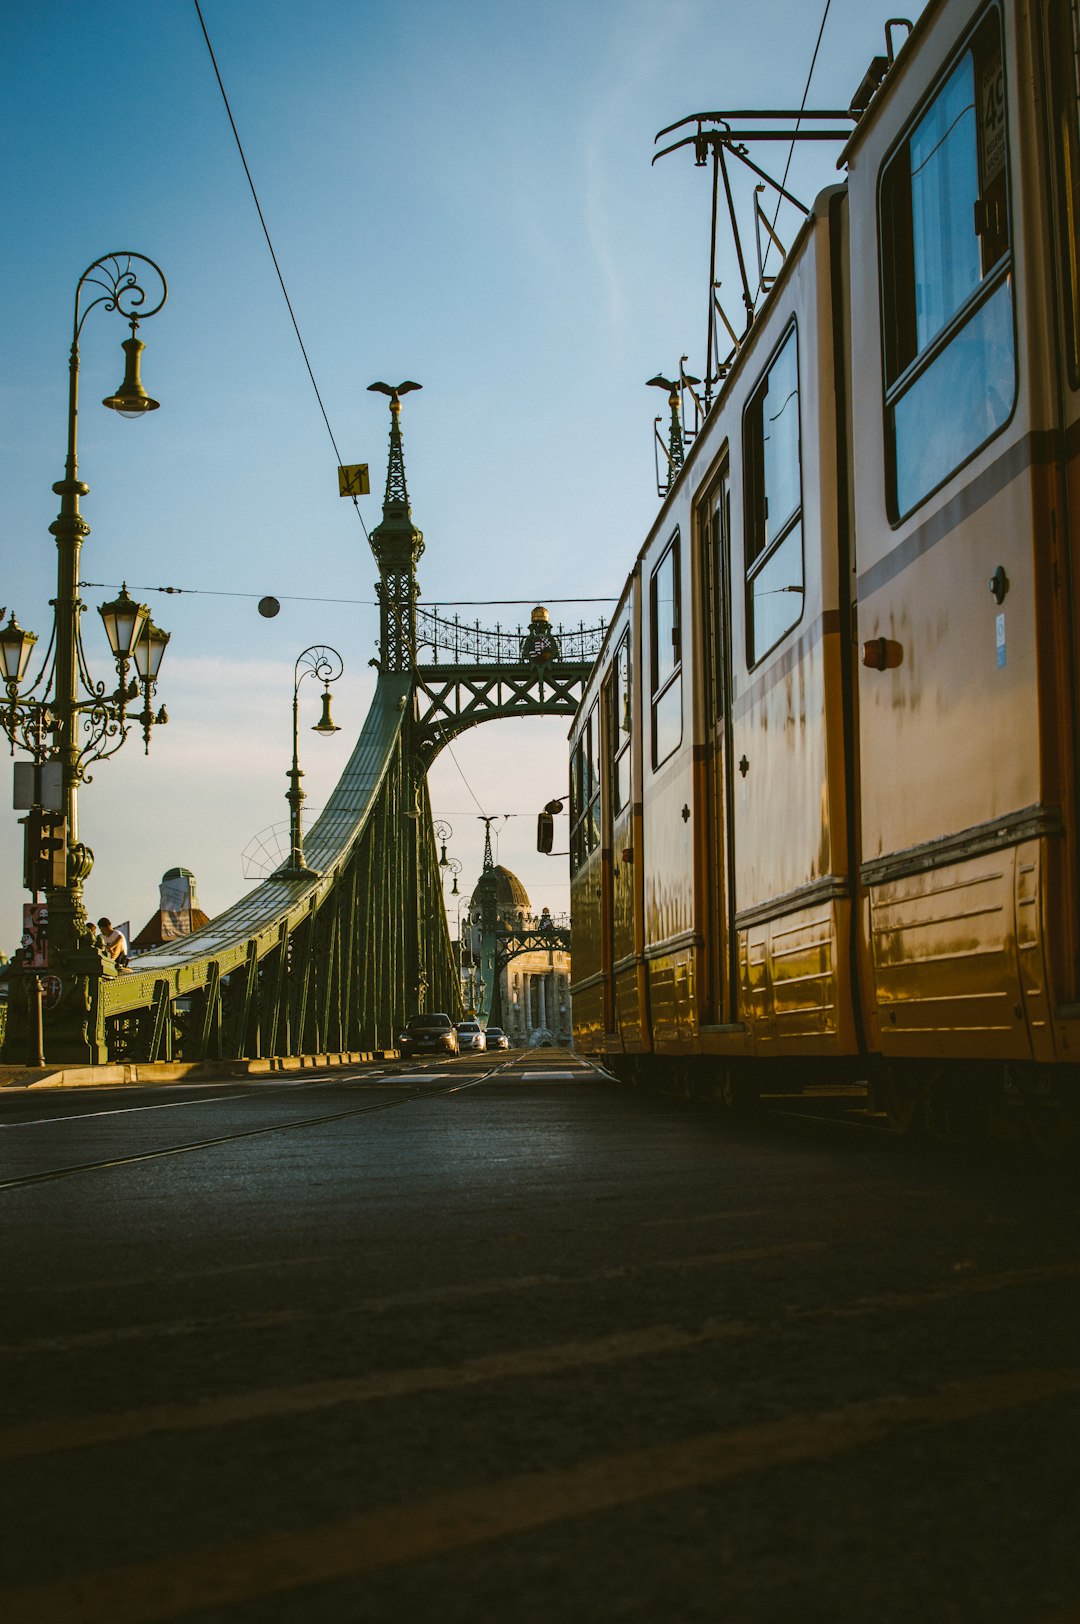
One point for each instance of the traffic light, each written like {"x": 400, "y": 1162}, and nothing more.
{"x": 44, "y": 849}
{"x": 545, "y": 826}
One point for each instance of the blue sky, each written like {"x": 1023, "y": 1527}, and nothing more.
{"x": 460, "y": 194}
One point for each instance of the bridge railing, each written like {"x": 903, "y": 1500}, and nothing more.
{"x": 331, "y": 963}
{"x": 448, "y": 640}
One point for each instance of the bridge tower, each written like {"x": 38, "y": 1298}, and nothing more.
{"x": 397, "y": 545}
{"x": 485, "y": 914}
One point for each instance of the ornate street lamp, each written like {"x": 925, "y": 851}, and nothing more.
{"x": 326, "y": 665}
{"x": 442, "y": 832}
{"x": 64, "y": 715}
{"x": 16, "y": 647}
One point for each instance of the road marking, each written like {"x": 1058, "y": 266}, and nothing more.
{"x": 163, "y": 1276}
{"x": 705, "y": 1218}
{"x": 46, "y": 1437}
{"x": 228, "y": 1138}
{"x": 123, "y": 1110}
{"x": 293, "y": 1559}
{"x": 428, "y": 1295}
{"x": 195, "y": 1326}
{"x": 39, "y": 1438}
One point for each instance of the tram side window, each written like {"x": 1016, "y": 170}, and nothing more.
{"x": 619, "y": 729}
{"x": 717, "y": 527}
{"x": 585, "y": 792}
{"x": 593, "y": 815}
{"x": 950, "y": 369}
{"x": 665, "y": 655}
{"x": 774, "y": 551}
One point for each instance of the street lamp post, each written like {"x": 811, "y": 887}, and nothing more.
{"x": 64, "y": 715}
{"x": 466, "y": 1000}
{"x": 452, "y": 867}
{"x": 326, "y": 665}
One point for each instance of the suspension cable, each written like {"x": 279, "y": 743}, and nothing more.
{"x": 273, "y": 255}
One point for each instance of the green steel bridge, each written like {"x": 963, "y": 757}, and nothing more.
{"x": 333, "y": 959}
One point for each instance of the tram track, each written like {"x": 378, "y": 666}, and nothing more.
{"x": 188, "y": 1147}
{"x": 782, "y": 1109}
{"x": 850, "y": 1109}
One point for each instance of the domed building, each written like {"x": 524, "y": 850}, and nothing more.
{"x": 530, "y": 996}
{"x": 178, "y": 912}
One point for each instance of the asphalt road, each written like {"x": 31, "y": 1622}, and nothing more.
{"x": 486, "y": 1340}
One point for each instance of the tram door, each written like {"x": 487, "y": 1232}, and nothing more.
{"x": 716, "y": 870}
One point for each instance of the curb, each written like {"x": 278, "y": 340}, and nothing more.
{"x": 142, "y": 1074}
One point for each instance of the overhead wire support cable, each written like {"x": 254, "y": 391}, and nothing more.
{"x": 270, "y": 245}
{"x": 791, "y": 150}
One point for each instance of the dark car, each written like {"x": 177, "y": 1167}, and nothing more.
{"x": 429, "y": 1034}
{"x": 497, "y": 1038}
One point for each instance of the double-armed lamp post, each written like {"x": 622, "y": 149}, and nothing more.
{"x": 64, "y": 719}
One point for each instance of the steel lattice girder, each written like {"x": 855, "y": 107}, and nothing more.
{"x": 451, "y": 698}
{"x": 509, "y": 944}
{"x": 306, "y": 966}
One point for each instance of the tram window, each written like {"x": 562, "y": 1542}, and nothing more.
{"x": 774, "y": 555}
{"x": 585, "y": 792}
{"x": 593, "y": 810}
{"x": 576, "y": 758}
{"x": 666, "y": 655}
{"x": 717, "y": 522}
{"x": 619, "y": 728}
{"x": 946, "y": 267}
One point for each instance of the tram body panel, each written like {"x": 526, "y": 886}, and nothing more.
{"x": 958, "y": 765}
{"x": 931, "y": 696}
{"x": 620, "y": 825}
{"x": 587, "y": 968}
{"x": 668, "y": 859}
{"x": 1052, "y": 194}
{"x": 789, "y": 788}
{"x": 587, "y": 867}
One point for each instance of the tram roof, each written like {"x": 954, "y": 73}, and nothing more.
{"x": 888, "y": 84}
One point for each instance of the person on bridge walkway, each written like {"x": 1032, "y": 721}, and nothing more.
{"x": 113, "y": 943}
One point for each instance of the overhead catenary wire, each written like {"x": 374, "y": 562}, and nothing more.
{"x": 798, "y": 121}
{"x": 273, "y": 255}
{"x": 368, "y": 603}
{"x": 464, "y": 780}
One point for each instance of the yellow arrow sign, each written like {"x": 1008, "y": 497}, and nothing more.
{"x": 353, "y": 481}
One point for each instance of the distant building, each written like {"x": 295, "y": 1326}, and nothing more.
{"x": 178, "y": 913}
{"x": 532, "y": 999}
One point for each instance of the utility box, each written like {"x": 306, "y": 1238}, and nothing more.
{"x": 39, "y": 784}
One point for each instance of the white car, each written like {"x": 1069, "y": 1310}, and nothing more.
{"x": 471, "y": 1037}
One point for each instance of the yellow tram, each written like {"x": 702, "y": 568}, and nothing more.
{"x": 824, "y": 777}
